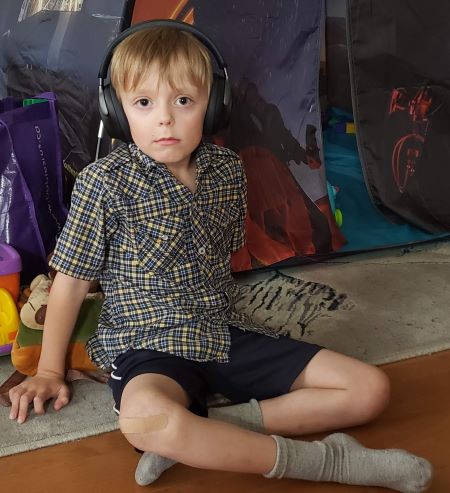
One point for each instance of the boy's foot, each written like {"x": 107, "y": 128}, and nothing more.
{"x": 340, "y": 458}
{"x": 150, "y": 468}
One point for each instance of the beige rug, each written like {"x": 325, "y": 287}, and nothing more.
{"x": 379, "y": 308}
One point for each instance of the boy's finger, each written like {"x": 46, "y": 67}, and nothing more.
{"x": 25, "y": 400}
{"x": 14, "y": 397}
{"x": 14, "y": 407}
{"x": 38, "y": 403}
{"x": 63, "y": 398}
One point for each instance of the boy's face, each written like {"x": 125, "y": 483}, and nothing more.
{"x": 166, "y": 123}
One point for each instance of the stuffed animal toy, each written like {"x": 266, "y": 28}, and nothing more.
{"x": 27, "y": 345}
{"x": 32, "y": 313}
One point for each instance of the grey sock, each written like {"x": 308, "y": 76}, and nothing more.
{"x": 150, "y": 467}
{"x": 247, "y": 415}
{"x": 340, "y": 458}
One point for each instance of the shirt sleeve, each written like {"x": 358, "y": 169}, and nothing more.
{"x": 238, "y": 239}
{"x": 80, "y": 249}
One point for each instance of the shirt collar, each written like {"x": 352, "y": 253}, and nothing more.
{"x": 141, "y": 158}
{"x": 202, "y": 157}
{"x": 200, "y": 154}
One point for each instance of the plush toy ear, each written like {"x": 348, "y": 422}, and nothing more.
{"x": 32, "y": 314}
{"x": 29, "y": 316}
{"x": 37, "y": 281}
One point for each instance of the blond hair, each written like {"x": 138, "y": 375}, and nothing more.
{"x": 177, "y": 54}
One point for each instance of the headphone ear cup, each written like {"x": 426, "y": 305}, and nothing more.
{"x": 114, "y": 120}
{"x": 214, "y": 118}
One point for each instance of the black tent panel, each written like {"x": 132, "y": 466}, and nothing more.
{"x": 399, "y": 53}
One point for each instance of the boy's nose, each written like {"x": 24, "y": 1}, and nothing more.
{"x": 165, "y": 122}
{"x": 165, "y": 117}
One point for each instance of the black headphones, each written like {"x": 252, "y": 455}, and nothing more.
{"x": 111, "y": 111}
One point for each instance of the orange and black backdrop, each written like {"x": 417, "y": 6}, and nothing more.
{"x": 272, "y": 50}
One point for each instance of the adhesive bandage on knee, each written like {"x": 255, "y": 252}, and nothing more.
{"x": 146, "y": 424}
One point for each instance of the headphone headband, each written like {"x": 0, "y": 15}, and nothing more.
{"x": 103, "y": 72}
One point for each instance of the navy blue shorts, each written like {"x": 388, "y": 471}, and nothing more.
{"x": 260, "y": 367}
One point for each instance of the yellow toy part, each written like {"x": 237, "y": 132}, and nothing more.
{"x": 9, "y": 321}
{"x": 339, "y": 217}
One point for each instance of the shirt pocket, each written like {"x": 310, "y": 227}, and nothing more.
{"x": 160, "y": 243}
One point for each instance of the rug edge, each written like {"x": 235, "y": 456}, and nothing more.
{"x": 52, "y": 441}
{"x": 406, "y": 354}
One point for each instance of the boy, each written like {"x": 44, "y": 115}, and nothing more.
{"x": 156, "y": 221}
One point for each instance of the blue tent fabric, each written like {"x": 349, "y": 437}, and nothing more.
{"x": 364, "y": 226}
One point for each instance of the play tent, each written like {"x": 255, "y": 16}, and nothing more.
{"x": 296, "y": 98}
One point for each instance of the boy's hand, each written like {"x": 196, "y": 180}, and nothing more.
{"x": 37, "y": 391}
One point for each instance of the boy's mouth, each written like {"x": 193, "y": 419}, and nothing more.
{"x": 167, "y": 141}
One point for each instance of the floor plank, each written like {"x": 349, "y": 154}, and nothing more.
{"x": 417, "y": 419}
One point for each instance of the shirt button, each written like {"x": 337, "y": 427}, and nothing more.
{"x": 164, "y": 237}
{"x": 202, "y": 250}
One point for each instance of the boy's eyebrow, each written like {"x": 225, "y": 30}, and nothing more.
{"x": 188, "y": 89}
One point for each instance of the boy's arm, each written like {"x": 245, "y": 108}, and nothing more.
{"x": 238, "y": 238}
{"x": 65, "y": 299}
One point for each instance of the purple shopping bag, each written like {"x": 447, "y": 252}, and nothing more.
{"x": 32, "y": 212}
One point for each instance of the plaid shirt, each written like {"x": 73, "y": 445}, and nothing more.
{"x": 161, "y": 253}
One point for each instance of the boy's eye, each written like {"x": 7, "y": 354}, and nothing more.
{"x": 143, "y": 102}
{"x": 184, "y": 100}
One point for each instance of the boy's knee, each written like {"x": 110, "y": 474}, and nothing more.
{"x": 381, "y": 387}
{"x": 152, "y": 422}
{"x": 374, "y": 395}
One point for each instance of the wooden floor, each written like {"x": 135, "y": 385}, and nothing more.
{"x": 418, "y": 419}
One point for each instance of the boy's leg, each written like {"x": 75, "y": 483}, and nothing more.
{"x": 175, "y": 432}
{"x": 332, "y": 392}
{"x": 157, "y": 405}
{"x": 247, "y": 416}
